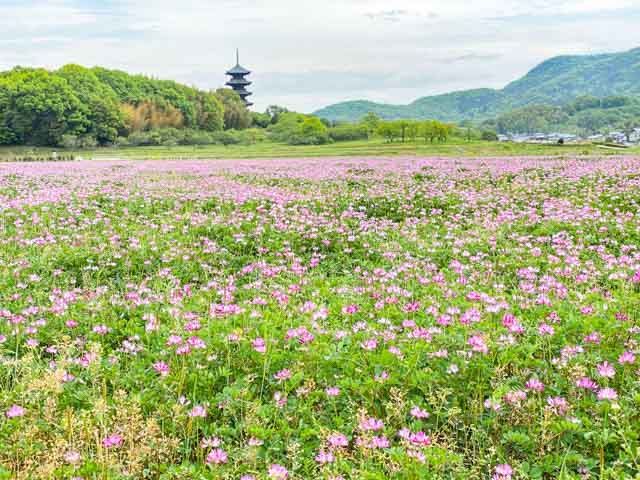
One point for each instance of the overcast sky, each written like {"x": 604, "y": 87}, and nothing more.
{"x": 306, "y": 54}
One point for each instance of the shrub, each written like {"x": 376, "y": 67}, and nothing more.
{"x": 489, "y": 135}
{"x": 69, "y": 141}
{"x": 310, "y": 132}
{"x": 225, "y": 138}
{"x": 344, "y": 133}
{"x": 251, "y": 136}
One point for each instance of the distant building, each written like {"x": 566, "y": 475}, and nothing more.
{"x": 238, "y": 81}
{"x": 539, "y": 138}
{"x": 622, "y": 138}
{"x": 617, "y": 137}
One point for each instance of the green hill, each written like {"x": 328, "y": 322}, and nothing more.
{"x": 556, "y": 81}
{"x": 96, "y": 106}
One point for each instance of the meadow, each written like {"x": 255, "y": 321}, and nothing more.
{"x": 455, "y": 147}
{"x": 329, "y": 318}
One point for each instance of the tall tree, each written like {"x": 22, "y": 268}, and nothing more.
{"x": 210, "y": 112}
{"x": 275, "y": 111}
{"x": 99, "y": 103}
{"x": 38, "y": 108}
{"x": 371, "y": 121}
{"x": 236, "y": 114}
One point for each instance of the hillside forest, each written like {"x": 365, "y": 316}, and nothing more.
{"x": 77, "y": 107}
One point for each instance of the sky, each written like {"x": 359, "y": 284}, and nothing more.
{"x": 308, "y": 54}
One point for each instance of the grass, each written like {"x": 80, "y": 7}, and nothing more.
{"x": 454, "y": 148}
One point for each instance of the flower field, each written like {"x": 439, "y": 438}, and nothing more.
{"x": 327, "y": 318}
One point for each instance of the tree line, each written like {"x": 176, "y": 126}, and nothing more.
{"x": 411, "y": 130}
{"x": 96, "y": 106}
{"x": 78, "y": 107}
{"x": 584, "y": 115}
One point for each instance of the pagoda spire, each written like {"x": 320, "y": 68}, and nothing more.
{"x": 238, "y": 82}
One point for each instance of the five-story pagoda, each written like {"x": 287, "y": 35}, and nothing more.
{"x": 238, "y": 81}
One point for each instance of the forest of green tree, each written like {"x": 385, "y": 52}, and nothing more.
{"x": 78, "y": 107}
{"x": 586, "y": 115}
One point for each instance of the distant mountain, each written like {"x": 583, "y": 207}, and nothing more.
{"x": 556, "y": 81}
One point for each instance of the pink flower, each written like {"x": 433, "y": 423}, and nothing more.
{"x": 197, "y": 342}
{"x": 515, "y": 397}
{"x": 111, "y": 441}
{"x": 593, "y": 337}
{"x": 535, "y": 385}
{"x": 15, "y": 411}
{"x": 379, "y": 442}
{"x": 397, "y": 352}
{"x": 337, "y": 440}
{"x": 512, "y": 323}
{"x": 503, "y": 472}
{"x": 350, "y": 309}
{"x": 607, "y": 394}
{"x": 558, "y": 405}
{"x": 325, "y": 457}
{"x": 280, "y": 399}
{"x": 198, "y": 411}
{"x": 259, "y": 345}
{"x": 303, "y": 335}
{"x": 494, "y": 405}
{"x": 545, "y": 329}
{"x": 213, "y": 442}
{"x": 278, "y": 472}
{"x": 587, "y": 310}
{"x": 372, "y": 424}
{"x": 420, "y": 439}
{"x": 183, "y": 350}
{"x": 72, "y": 457}
{"x": 417, "y": 412}
{"x": 162, "y": 368}
{"x": 478, "y": 344}
{"x": 626, "y": 357}
{"x": 217, "y": 456}
{"x": 373, "y": 442}
{"x": 606, "y": 370}
{"x": 587, "y": 383}
{"x": 418, "y": 455}
{"x": 101, "y": 329}
{"x": 370, "y": 344}
{"x": 332, "y": 391}
{"x": 283, "y": 374}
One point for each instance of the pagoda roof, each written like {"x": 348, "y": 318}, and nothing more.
{"x": 238, "y": 81}
{"x": 238, "y": 70}
{"x": 243, "y": 93}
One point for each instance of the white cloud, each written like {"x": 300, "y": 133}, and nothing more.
{"x": 33, "y": 16}
{"x": 305, "y": 53}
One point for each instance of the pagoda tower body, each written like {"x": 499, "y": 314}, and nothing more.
{"x": 238, "y": 81}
